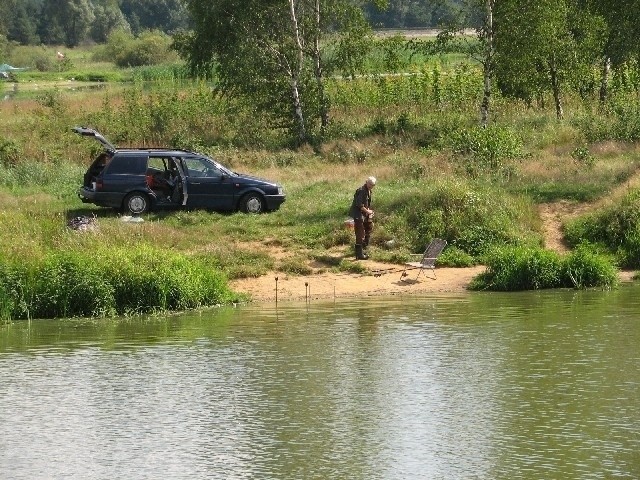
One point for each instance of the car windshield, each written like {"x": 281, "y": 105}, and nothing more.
{"x": 223, "y": 169}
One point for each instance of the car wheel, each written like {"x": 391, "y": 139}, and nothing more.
{"x": 136, "y": 203}
{"x": 252, "y": 203}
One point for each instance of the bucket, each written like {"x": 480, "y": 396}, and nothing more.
{"x": 348, "y": 224}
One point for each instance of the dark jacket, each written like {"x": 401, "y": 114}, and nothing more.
{"x": 362, "y": 198}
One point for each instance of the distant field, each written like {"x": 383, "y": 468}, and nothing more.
{"x": 414, "y": 33}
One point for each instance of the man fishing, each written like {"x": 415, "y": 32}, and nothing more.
{"x": 362, "y": 217}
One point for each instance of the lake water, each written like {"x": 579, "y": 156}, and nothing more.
{"x": 532, "y": 385}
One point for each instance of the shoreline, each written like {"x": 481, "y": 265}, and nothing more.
{"x": 327, "y": 285}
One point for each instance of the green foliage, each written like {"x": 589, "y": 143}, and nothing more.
{"x": 586, "y": 268}
{"x": 9, "y": 153}
{"x": 469, "y": 218}
{"x": 128, "y": 281}
{"x": 521, "y": 268}
{"x": 150, "y": 48}
{"x": 68, "y": 286}
{"x": 57, "y": 179}
{"x": 615, "y": 228}
{"x": 487, "y": 150}
{"x": 126, "y": 50}
{"x": 583, "y": 156}
{"x": 563, "y": 189}
{"x": 296, "y": 266}
{"x": 350, "y": 266}
{"x": 619, "y": 120}
{"x": 526, "y": 268}
{"x": 455, "y": 257}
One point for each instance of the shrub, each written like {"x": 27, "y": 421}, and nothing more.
{"x": 67, "y": 286}
{"x": 584, "y": 268}
{"x": 454, "y": 257}
{"x": 616, "y": 228}
{"x": 150, "y": 48}
{"x": 619, "y": 121}
{"x": 9, "y": 153}
{"x": 139, "y": 281}
{"x": 526, "y": 268}
{"x": 472, "y": 219}
{"x": 126, "y": 50}
{"x": 522, "y": 268}
{"x": 583, "y": 156}
{"x": 487, "y": 149}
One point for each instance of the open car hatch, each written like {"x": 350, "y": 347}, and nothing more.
{"x": 90, "y": 132}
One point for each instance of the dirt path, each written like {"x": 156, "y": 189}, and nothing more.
{"x": 553, "y": 215}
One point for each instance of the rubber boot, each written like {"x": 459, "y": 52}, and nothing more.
{"x": 360, "y": 255}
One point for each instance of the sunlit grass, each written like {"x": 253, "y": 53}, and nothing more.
{"x": 404, "y": 130}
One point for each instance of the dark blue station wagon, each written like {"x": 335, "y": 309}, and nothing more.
{"x": 137, "y": 180}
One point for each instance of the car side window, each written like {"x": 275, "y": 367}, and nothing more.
{"x": 201, "y": 168}
{"x": 128, "y": 165}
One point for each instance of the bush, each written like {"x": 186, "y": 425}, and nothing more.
{"x": 584, "y": 268}
{"x": 521, "y": 268}
{"x": 73, "y": 284}
{"x": 9, "y": 153}
{"x": 616, "y": 228}
{"x": 487, "y": 150}
{"x": 525, "y": 268}
{"x": 70, "y": 286}
{"x": 620, "y": 120}
{"x": 470, "y": 218}
{"x": 454, "y": 257}
{"x": 125, "y": 50}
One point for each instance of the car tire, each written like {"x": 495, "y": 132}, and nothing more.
{"x": 252, "y": 203}
{"x": 136, "y": 203}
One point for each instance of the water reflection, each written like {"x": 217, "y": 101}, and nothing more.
{"x": 488, "y": 386}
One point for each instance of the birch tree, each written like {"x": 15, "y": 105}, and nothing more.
{"x": 274, "y": 53}
{"x": 543, "y": 46}
{"x": 480, "y": 15}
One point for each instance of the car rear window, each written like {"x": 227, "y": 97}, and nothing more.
{"x": 130, "y": 165}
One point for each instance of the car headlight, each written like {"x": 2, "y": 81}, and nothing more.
{"x": 280, "y": 190}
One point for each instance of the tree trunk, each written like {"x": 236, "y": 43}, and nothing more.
{"x": 324, "y": 107}
{"x": 487, "y": 63}
{"x": 301, "y": 131}
{"x": 555, "y": 86}
{"x": 604, "y": 82}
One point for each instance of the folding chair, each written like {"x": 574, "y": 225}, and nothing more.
{"x": 428, "y": 260}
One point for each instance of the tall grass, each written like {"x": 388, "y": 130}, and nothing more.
{"x": 107, "y": 282}
{"x": 525, "y": 268}
{"x": 615, "y": 228}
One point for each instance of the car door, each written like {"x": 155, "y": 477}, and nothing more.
{"x": 208, "y": 185}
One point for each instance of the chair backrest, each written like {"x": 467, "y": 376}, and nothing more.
{"x": 432, "y": 251}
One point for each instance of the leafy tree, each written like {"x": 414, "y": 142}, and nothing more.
{"x": 622, "y": 18}
{"x": 413, "y": 13}
{"x": 276, "y": 53}
{"x": 23, "y": 23}
{"x": 107, "y": 19}
{"x": 480, "y": 14}
{"x": 621, "y": 39}
{"x": 165, "y": 15}
{"x": 6, "y": 7}
{"x": 66, "y": 21}
{"x": 544, "y": 46}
